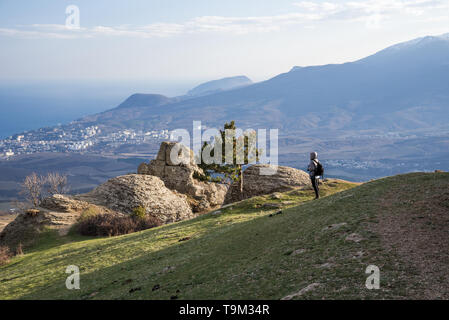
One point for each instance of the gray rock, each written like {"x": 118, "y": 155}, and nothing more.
{"x": 354, "y": 237}
{"x": 310, "y": 287}
{"x": 203, "y": 196}
{"x": 326, "y": 265}
{"x": 63, "y": 203}
{"x": 298, "y": 251}
{"x": 28, "y": 225}
{"x": 125, "y": 193}
{"x": 257, "y": 184}
{"x": 276, "y": 196}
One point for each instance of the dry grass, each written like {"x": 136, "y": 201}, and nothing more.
{"x": 5, "y": 255}
{"x": 114, "y": 225}
{"x": 414, "y": 222}
{"x": 245, "y": 251}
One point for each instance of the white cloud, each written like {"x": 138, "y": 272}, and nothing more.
{"x": 371, "y": 12}
{"x": 27, "y": 33}
{"x": 318, "y": 6}
{"x": 204, "y": 24}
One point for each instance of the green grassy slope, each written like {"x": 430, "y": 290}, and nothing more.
{"x": 240, "y": 253}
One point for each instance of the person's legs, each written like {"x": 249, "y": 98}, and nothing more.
{"x": 315, "y": 186}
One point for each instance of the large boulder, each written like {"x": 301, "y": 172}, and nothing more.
{"x": 120, "y": 195}
{"x": 125, "y": 193}
{"x": 179, "y": 174}
{"x": 63, "y": 203}
{"x": 57, "y": 212}
{"x": 27, "y": 226}
{"x": 257, "y": 183}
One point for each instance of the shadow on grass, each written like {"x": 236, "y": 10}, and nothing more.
{"x": 148, "y": 257}
{"x": 251, "y": 259}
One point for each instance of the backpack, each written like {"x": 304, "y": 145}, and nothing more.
{"x": 319, "y": 170}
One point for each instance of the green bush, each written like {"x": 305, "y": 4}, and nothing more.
{"x": 139, "y": 212}
{"x": 89, "y": 212}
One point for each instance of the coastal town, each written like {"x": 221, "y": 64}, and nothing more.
{"x": 75, "y": 139}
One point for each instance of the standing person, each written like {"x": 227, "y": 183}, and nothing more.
{"x": 315, "y": 171}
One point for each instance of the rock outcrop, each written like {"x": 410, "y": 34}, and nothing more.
{"x": 28, "y": 225}
{"x": 166, "y": 188}
{"x": 125, "y": 193}
{"x": 179, "y": 176}
{"x": 57, "y": 212}
{"x": 202, "y": 196}
{"x": 257, "y": 184}
{"x": 72, "y": 204}
{"x": 63, "y": 203}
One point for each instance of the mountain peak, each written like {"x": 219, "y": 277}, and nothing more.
{"x": 220, "y": 85}
{"x": 422, "y": 41}
{"x": 144, "y": 100}
{"x": 414, "y": 52}
{"x": 295, "y": 68}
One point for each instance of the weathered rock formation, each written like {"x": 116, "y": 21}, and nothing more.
{"x": 125, "y": 193}
{"x": 180, "y": 176}
{"x": 57, "y": 212}
{"x": 28, "y": 225}
{"x": 165, "y": 188}
{"x": 63, "y": 203}
{"x": 256, "y": 184}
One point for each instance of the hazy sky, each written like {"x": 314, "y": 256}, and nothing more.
{"x": 189, "y": 40}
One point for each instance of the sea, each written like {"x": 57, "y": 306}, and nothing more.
{"x": 29, "y": 105}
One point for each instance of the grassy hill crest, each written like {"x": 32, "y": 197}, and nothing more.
{"x": 312, "y": 250}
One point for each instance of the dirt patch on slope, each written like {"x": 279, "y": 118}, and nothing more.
{"x": 27, "y": 226}
{"x": 414, "y": 223}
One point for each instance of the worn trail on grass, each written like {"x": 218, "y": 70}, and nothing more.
{"x": 414, "y": 222}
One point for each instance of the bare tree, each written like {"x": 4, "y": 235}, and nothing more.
{"x": 32, "y": 188}
{"x": 57, "y": 183}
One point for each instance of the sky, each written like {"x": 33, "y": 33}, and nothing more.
{"x": 180, "y": 41}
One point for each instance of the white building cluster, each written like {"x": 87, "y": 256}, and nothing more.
{"x": 75, "y": 139}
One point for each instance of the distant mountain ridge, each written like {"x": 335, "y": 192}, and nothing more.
{"x": 138, "y": 100}
{"x": 215, "y": 86}
{"x": 377, "y": 116}
{"x": 145, "y": 100}
{"x": 403, "y": 87}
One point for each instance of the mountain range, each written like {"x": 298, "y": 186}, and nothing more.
{"x": 378, "y": 116}
{"x": 215, "y": 86}
{"x": 403, "y": 87}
